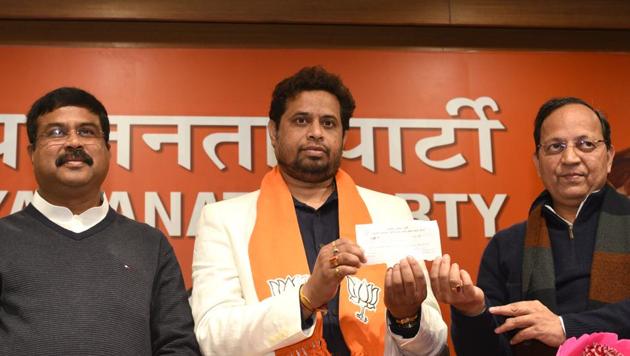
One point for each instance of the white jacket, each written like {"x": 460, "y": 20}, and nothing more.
{"x": 229, "y": 318}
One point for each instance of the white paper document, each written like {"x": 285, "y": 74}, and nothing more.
{"x": 389, "y": 243}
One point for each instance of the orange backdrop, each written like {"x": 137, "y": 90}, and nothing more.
{"x": 388, "y": 85}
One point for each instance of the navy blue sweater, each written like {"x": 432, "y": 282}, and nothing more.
{"x": 115, "y": 289}
{"x": 500, "y": 275}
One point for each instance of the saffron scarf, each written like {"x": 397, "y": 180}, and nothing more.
{"x": 277, "y": 258}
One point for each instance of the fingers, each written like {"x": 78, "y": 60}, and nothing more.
{"x": 443, "y": 279}
{"x": 530, "y": 326}
{"x": 434, "y": 276}
{"x": 513, "y": 323}
{"x": 468, "y": 287}
{"x": 350, "y": 247}
{"x": 419, "y": 277}
{"x": 389, "y": 290}
{"x": 518, "y": 308}
{"x": 405, "y": 288}
{"x": 522, "y": 335}
{"x": 338, "y": 259}
{"x": 339, "y": 254}
{"x": 397, "y": 280}
{"x": 526, "y": 332}
{"x": 447, "y": 278}
{"x": 453, "y": 285}
{"x": 454, "y": 279}
{"x": 341, "y": 271}
{"x": 335, "y": 261}
{"x": 533, "y": 320}
{"x": 407, "y": 278}
{"x": 344, "y": 258}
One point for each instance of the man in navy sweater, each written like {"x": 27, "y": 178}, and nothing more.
{"x": 566, "y": 270}
{"x": 77, "y": 278}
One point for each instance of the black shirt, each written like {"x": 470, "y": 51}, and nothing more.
{"x": 318, "y": 228}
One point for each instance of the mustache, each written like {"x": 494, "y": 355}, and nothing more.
{"x": 74, "y": 154}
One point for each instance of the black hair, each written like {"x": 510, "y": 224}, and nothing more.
{"x": 555, "y": 103}
{"x": 307, "y": 79}
{"x": 61, "y": 97}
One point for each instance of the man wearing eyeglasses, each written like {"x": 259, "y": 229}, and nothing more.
{"x": 77, "y": 278}
{"x": 566, "y": 270}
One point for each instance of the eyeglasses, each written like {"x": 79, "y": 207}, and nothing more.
{"x": 57, "y": 135}
{"x": 584, "y": 145}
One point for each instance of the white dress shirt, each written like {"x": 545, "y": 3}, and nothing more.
{"x": 63, "y": 217}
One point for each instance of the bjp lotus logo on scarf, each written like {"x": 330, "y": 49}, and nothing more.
{"x": 280, "y": 285}
{"x": 363, "y": 294}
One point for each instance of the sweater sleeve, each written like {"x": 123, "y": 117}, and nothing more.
{"x": 608, "y": 318}
{"x": 475, "y": 335}
{"x": 171, "y": 319}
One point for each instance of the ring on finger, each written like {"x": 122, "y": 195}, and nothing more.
{"x": 334, "y": 261}
{"x": 335, "y": 250}
{"x": 456, "y": 286}
{"x": 337, "y": 272}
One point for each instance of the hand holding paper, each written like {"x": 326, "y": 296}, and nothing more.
{"x": 389, "y": 243}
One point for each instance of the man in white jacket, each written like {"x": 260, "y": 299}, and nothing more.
{"x": 278, "y": 270}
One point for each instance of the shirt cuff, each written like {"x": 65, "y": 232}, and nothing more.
{"x": 308, "y": 322}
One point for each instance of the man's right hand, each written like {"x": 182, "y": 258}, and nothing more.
{"x": 336, "y": 260}
{"x": 452, "y": 285}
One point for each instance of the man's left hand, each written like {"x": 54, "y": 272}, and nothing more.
{"x": 534, "y": 319}
{"x": 405, "y": 288}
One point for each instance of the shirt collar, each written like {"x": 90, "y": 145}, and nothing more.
{"x": 587, "y": 206}
{"x": 63, "y": 217}
{"x": 331, "y": 198}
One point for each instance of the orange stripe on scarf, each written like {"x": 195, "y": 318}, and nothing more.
{"x": 277, "y": 258}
